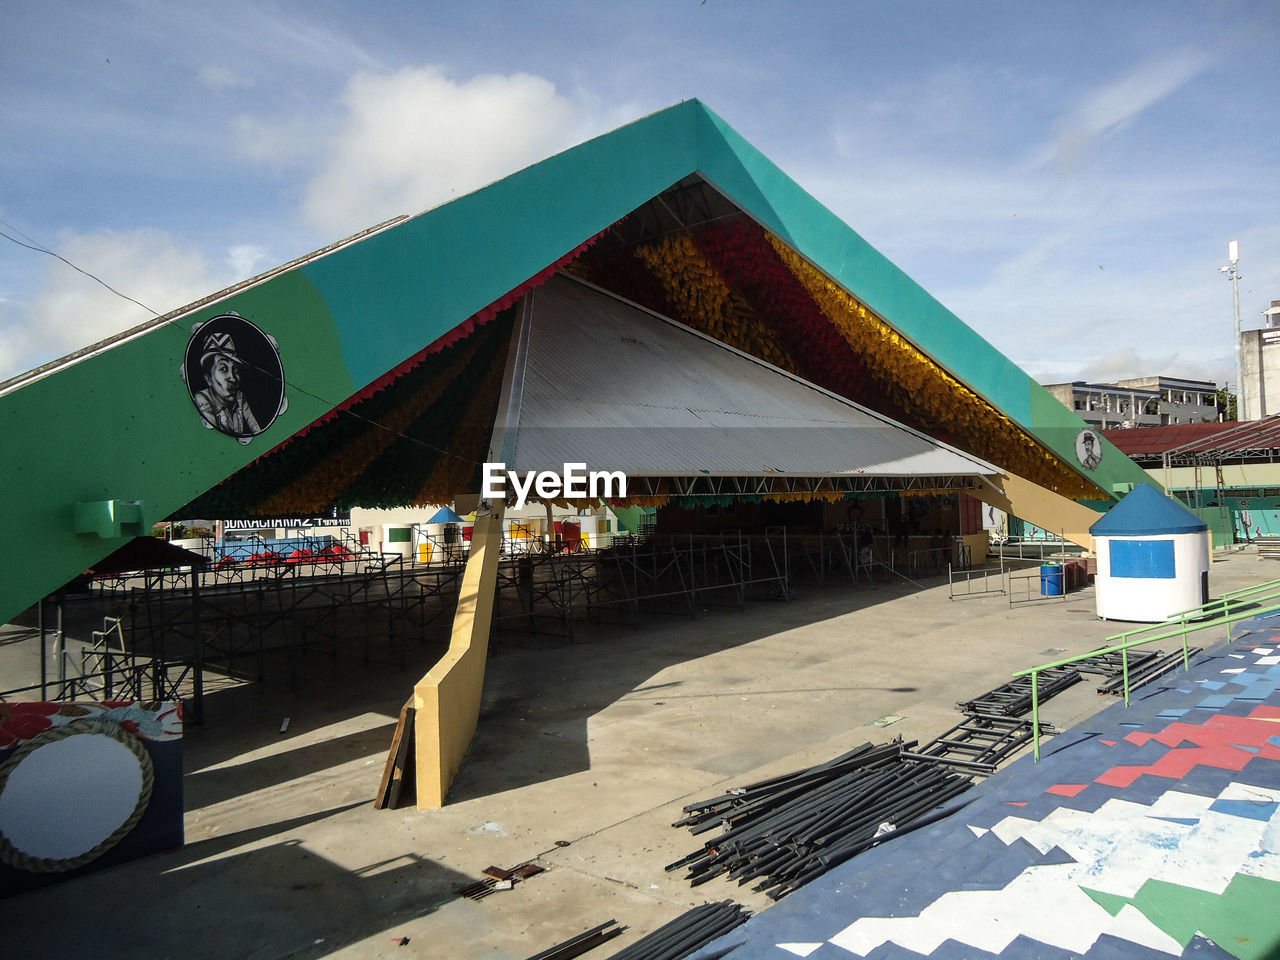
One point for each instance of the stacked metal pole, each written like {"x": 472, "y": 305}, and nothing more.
{"x": 686, "y": 933}
{"x": 1013, "y": 699}
{"x": 786, "y": 831}
{"x": 1142, "y": 670}
{"x": 577, "y": 946}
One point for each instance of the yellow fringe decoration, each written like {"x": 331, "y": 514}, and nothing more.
{"x": 706, "y": 302}
{"x": 920, "y": 386}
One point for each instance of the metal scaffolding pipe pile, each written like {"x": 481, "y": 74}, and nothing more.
{"x": 577, "y": 946}
{"x": 786, "y": 831}
{"x": 1151, "y": 668}
{"x": 1112, "y": 664}
{"x": 979, "y": 743}
{"x": 1013, "y": 699}
{"x": 688, "y": 932}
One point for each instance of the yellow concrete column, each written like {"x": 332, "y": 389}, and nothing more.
{"x": 447, "y": 700}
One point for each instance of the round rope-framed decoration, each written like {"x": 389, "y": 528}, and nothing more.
{"x": 23, "y": 788}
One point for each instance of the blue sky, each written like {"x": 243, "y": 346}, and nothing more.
{"x": 1064, "y": 176}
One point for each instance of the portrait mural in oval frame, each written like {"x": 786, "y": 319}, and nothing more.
{"x": 1088, "y": 449}
{"x": 234, "y": 376}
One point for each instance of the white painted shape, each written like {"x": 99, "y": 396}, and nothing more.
{"x": 800, "y": 949}
{"x": 1123, "y": 844}
{"x": 1265, "y": 861}
{"x": 1132, "y": 924}
{"x": 1235, "y": 670}
{"x": 977, "y": 831}
{"x": 1116, "y": 850}
{"x": 67, "y": 796}
{"x": 1263, "y": 651}
{"x": 1042, "y": 903}
{"x": 1250, "y": 792}
{"x": 1268, "y": 661}
{"x": 1175, "y": 803}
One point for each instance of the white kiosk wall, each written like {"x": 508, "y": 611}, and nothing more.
{"x": 1148, "y": 579}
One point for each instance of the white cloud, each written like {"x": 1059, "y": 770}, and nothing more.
{"x": 278, "y": 143}
{"x": 217, "y": 77}
{"x": 1111, "y": 107}
{"x": 248, "y": 260}
{"x": 70, "y": 311}
{"x": 416, "y": 138}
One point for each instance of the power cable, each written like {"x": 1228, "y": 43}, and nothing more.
{"x": 39, "y": 248}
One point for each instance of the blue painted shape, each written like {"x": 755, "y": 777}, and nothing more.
{"x": 1212, "y": 685}
{"x": 1252, "y": 809}
{"x": 444, "y": 515}
{"x": 1274, "y": 741}
{"x": 1185, "y": 821}
{"x": 1171, "y": 714}
{"x": 1215, "y": 703}
{"x": 1142, "y": 559}
{"x": 1144, "y": 512}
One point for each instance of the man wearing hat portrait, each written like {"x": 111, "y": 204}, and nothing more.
{"x": 222, "y": 403}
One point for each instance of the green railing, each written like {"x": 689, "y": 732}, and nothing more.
{"x": 1259, "y": 599}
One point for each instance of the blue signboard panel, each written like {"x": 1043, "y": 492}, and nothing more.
{"x": 1142, "y": 559}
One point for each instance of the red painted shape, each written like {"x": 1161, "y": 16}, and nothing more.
{"x": 1066, "y": 789}
{"x": 1016, "y": 803}
{"x": 1109, "y": 743}
{"x": 1216, "y": 743}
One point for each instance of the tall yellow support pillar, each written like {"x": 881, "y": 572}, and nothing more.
{"x": 1044, "y": 508}
{"x": 447, "y": 700}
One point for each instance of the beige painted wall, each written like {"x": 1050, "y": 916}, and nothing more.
{"x": 447, "y": 700}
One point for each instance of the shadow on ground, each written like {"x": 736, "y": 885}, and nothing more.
{"x": 265, "y": 899}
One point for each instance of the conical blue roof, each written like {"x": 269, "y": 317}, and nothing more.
{"x": 445, "y": 515}
{"x": 1146, "y": 511}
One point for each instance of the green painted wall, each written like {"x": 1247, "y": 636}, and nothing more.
{"x": 1221, "y": 533}
{"x": 121, "y": 426}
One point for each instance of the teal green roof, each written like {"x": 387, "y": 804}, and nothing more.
{"x": 98, "y": 447}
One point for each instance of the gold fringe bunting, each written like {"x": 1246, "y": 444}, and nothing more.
{"x": 706, "y": 302}
{"x": 928, "y": 392}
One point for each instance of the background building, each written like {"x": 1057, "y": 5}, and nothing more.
{"x": 1260, "y": 368}
{"x": 1140, "y": 401}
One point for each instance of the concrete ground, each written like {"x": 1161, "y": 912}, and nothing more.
{"x": 585, "y": 753}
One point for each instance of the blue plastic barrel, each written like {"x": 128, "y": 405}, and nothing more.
{"x": 1051, "y": 579}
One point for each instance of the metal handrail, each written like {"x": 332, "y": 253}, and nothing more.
{"x": 1251, "y": 596}
{"x": 1178, "y": 626}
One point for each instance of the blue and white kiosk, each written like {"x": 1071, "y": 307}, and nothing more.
{"x": 1153, "y": 558}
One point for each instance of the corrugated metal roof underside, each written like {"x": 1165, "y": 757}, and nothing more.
{"x": 603, "y": 382}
